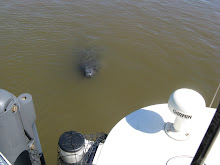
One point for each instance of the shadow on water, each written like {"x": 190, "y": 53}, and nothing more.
{"x": 146, "y": 121}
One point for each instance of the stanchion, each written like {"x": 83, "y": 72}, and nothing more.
{"x": 208, "y": 139}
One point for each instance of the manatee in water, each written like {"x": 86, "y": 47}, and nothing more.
{"x": 88, "y": 63}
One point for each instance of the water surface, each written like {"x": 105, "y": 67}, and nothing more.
{"x": 147, "y": 50}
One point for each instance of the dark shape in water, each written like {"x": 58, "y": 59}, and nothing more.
{"x": 88, "y": 63}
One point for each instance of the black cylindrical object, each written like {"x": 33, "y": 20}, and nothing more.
{"x": 71, "y": 146}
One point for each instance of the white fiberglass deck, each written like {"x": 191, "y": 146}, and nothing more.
{"x": 139, "y": 138}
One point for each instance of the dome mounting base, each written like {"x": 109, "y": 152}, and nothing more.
{"x": 176, "y": 135}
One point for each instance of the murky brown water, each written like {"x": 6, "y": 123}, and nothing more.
{"x": 147, "y": 49}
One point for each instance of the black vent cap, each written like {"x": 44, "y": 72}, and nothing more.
{"x": 71, "y": 141}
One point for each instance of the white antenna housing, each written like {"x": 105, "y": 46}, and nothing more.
{"x": 184, "y": 103}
